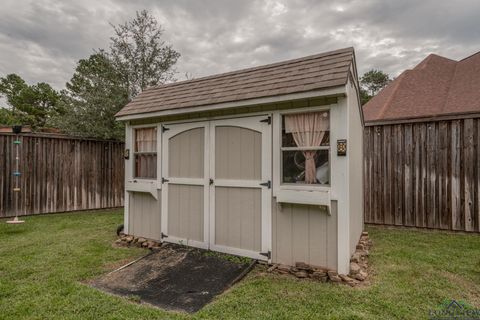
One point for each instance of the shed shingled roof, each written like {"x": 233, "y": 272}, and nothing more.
{"x": 436, "y": 87}
{"x": 325, "y": 70}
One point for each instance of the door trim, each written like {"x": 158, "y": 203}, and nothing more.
{"x": 249, "y": 122}
{"x": 252, "y": 123}
{"x": 237, "y": 183}
{"x": 175, "y": 129}
{"x": 238, "y": 252}
{"x": 191, "y": 243}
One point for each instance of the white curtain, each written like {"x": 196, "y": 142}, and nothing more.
{"x": 308, "y": 130}
{"x": 146, "y": 140}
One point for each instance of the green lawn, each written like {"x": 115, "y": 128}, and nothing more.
{"x": 44, "y": 263}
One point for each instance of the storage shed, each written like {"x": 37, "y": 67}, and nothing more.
{"x": 263, "y": 162}
{"x": 422, "y": 154}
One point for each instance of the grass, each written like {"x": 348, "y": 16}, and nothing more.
{"x": 45, "y": 263}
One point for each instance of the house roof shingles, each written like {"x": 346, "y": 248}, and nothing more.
{"x": 436, "y": 87}
{"x": 325, "y": 70}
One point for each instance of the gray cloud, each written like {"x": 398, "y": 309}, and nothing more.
{"x": 43, "y": 40}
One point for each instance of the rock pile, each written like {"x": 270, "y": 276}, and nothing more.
{"x": 126, "y": 240}
{"x": 358, "y": 267}
{"x": 359, "y": 260}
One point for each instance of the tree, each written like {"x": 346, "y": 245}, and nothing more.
{"x": 364, "y": 96}
{"x": 93, "y": 96}
{"x": 372, "y": 82}
{"x": 108, "y": 80}
{"x": 7, "y": 117}
{"x": 11, "y": 88}
{"x": 31, "y": 105}
{"x": 140, "y": 55}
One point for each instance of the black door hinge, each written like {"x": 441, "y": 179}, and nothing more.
{"x": 267, "y": 120}
{"x": 165, "y": 128}
{"x": 163, "y": 235}
{"x": 164, "y": 180}
{"x": 267, "y": 184}
{"x": 267, "y": 254}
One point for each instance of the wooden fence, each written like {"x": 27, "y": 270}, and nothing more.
{"x": 423, "y": 175}
{"x": 61, "y": 173}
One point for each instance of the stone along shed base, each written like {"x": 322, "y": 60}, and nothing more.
{"x": 126, "y": 240}
{"x": 358, "y": 262}
{"x": 358, "y": 267}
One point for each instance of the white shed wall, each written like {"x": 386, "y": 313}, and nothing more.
{"x": 144, "y": 219}
{"x": 300, "y": 233}
{"x": 339, "y": 190}
{"x": 304, "y": 233}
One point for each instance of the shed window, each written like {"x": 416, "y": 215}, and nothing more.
{"x": 305, "y": 148}
{"x": 145, "y": 153}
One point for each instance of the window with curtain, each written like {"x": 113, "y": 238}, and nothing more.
{"x": 305, "y": 148}
{"x": 145, "y": 153}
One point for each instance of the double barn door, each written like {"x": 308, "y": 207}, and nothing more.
{"x": 216, "y": 185}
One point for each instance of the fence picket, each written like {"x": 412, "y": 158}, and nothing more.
{"x": 425, "y": 174}
{"x": 59, "y": 173}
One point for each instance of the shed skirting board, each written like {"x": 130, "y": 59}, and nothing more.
{"x": 304, "y": 233}
{"x": 301, "y": 233}
{"x": 144, "y": 218}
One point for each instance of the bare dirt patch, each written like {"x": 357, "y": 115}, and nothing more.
{"x": 176, "y": 277}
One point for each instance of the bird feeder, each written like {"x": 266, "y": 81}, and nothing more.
{"x": 16, "y": 173}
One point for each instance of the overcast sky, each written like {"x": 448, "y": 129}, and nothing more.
{"x": 42, "y": 40}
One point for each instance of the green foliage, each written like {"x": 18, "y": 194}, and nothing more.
{"x": 7, "y": 117}
{"x": 11, "y": 88}
{"x": 140, "y": 55}
{"x": 372, "y": 82}
{"x": 94, "y": 94}
{"x": 107, "y": 80}
{"x": 32, "y": 105}
{"x": 364, "y": 96}
{"x": 101, "y": 85}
